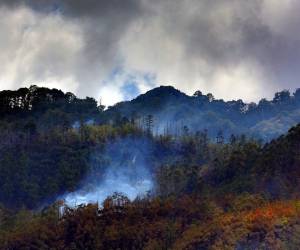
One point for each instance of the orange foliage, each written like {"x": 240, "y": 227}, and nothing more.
{"x": 185, "y": 223}
{"x": 272, "y": 212}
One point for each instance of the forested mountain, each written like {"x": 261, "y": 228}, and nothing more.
{"x": 172, "y": 109}
{"x": 207, "y": 186}
{"x": 46, "y": 108}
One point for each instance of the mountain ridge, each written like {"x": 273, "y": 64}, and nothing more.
{"x": 198, "y": 112}
{"x": 169, "y": 110}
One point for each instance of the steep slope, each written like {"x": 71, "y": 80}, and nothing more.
{"x": 271, "y": 170}
{"x": 279, "y": 164}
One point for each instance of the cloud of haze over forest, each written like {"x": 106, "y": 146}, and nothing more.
{"x": 116, "y": 49}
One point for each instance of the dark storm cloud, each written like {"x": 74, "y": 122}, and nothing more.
{"x": 233, "y": 48}
{"x": 124, "y": 8}
{"x": 103, "y": 23}
{"x": 79, "y": 8}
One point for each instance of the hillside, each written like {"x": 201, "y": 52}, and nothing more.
{"x": 76, "y": 176}
{"x": 171, "y": 112}
{"x": 172, "y": 109}
{"x": 244, "y": 196}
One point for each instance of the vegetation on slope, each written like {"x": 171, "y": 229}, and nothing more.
{"x": 210, "y": 193}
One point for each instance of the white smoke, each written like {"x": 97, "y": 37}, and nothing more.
{"x": 126, "y": 173}
{"x": 111, "y": 184}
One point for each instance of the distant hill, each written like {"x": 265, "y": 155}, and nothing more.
{"x": 164, "y": 110}
{"x": 173, "y": 110}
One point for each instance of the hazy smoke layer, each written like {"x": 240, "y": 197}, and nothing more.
{"x": 127, "y": 172}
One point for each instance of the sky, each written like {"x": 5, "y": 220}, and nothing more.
{"x": 114, "y": 50}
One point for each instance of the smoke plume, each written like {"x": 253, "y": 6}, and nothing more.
{"x": 123, "y": 167}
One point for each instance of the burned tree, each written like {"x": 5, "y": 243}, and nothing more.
{"x": 149, "y": 124}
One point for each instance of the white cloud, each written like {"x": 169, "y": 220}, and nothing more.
{"x": 38, "y": 49}
{"x": 234, "y": 49}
